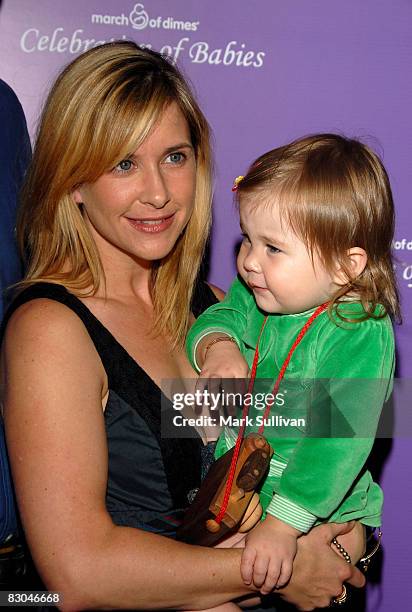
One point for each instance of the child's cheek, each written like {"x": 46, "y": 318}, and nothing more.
{"x": 239, "y": 262}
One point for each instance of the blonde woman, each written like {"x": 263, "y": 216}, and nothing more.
{"x": 114, "y": 217}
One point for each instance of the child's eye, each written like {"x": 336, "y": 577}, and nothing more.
{"x": 272, "y": 249}
{"x": 245, "y": 238}
{"x": 176, "y": 158}
{"x": 124, "y": 166}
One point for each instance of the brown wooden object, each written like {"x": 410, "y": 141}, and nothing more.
{"x": 199, "y": 525}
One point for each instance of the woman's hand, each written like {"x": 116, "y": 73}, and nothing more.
{"x": 318, "y": 572}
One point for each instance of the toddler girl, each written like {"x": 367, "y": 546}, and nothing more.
{"x": 317, "y": 221}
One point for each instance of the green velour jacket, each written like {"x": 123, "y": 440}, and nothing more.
{"x": 324, "y": 420}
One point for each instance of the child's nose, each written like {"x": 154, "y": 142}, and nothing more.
{"x": 251, "y": 262}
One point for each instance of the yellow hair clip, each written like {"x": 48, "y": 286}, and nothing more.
{"x": 236, "y": 182}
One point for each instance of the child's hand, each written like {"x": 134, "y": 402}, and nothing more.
{"x": 221, "y": 360}
{"x": 269, "y": 554}
{"x": 224, "y": 360}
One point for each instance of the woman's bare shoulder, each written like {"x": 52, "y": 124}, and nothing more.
{"x": 45, "y": 331}
{"x": 217, "y": 291}
{"x": 43, "y": 319}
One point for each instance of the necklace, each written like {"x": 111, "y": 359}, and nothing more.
{"x": 268, "y": 407}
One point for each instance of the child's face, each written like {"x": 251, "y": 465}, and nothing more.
{"x": 276, "y": 264}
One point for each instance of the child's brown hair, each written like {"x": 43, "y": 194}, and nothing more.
{"x": 335, "y": 194}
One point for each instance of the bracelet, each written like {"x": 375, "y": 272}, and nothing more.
{"x": 215, "y": 341}
{"x": 375, "y": 540}
{"x": 342, "y": 551}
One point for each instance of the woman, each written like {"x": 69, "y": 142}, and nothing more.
{"x": 115, "y": 216}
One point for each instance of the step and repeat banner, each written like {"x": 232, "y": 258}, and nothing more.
{"x": 266, "y": 72}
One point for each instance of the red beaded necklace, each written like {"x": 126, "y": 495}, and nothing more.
{"x": 245, "y": 411}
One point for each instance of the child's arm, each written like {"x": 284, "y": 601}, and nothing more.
{"x": 218, "y": 356}
{"x": 269, "y": 553}
{"x": 227, "y": 318}
{"x": 355, "y": 371}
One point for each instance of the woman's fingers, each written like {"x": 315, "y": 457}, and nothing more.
{"x": 356, "y": 579}
{"x": 247, "y": 564}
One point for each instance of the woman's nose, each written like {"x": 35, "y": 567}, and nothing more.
{"x": 154, "y": 190}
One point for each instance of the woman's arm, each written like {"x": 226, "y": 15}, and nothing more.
{"x": 54, "y": 384}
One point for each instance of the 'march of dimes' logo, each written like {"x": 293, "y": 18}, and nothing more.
{"x": 230, "y": 53}
{"x": 402, "y": 247}
{"x": 139, "y": 19}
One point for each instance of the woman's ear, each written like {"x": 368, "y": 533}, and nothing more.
{"x": 78, "y": 198}
{"x": 355, "y": 264}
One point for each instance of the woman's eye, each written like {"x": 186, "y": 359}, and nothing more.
{"x": 176, "y": 158}
{"x": 124, "y": 166}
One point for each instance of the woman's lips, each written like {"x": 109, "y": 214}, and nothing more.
{"x": 152, "y": 226}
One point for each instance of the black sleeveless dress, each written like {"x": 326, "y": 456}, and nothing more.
{"x": 151, "y": 479}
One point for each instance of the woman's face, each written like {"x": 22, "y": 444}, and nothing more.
{"x": 139, "y": 208}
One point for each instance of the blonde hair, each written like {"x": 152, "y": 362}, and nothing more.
{"x": 335, "y": 194}
{"x": 102, "y": 106}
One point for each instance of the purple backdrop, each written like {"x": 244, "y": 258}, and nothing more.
{"x": 265, "y": 72}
